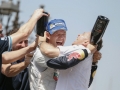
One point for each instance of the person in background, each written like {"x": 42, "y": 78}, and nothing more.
{"x": 24, "y": 31}
{"x": 15, "y": 75}
{"x": 7, "y": 42}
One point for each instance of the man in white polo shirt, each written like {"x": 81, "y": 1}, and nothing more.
{"x": 42, "y": 77}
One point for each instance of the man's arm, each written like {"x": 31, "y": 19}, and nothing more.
{"x": 49, "y": 50}
{"x": 27, "y": 28}
{"x": 46, "y": 48}
{"x": 71, "y": 60}
{"x": 12, "y": 56}
{"x": 65, "y": 62}
{"x": 11, "y": 70}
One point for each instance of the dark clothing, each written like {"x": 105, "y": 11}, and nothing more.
{"x": 19, "y": 82}
{"x": 5, "y": 45}
{"x": 6, "y": 83}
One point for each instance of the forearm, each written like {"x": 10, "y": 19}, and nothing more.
{"x": 62, "y": 63}
{"x": 12, "y": 56}
{"x": 66, "y": 62}
{"x": 28, "y": 27}
{"x": 12, "y": 70}
{"x": 49, "y": 50}
{"x": 24, "y": 31}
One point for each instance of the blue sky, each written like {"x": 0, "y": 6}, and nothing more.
{"x": 80, "y": 16}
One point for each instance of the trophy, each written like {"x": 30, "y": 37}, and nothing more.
{"x": 41, "y": 25}
{"x": 99, "y": 29}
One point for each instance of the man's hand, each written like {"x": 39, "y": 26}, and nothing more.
{"x": 97, "y": 56}
{"x": 92, "y": 48}
{"x": 38, "y": 14}
{"x": 28, "y": 58}
{"x": 41, "y": 38}
{"x": 33, "y": 46}
{"x": 37, "y": 41}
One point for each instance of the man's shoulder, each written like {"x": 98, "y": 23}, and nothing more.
{"x": 5, "y": 38}
{"x": 5, "y": 44}
{"x": 39, "y": 59}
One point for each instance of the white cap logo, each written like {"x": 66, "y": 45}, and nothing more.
{"x": 52, "y": 26}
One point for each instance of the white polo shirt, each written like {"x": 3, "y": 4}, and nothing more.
{"x": 76, "y": 77}
{"x": 40, "y": 76}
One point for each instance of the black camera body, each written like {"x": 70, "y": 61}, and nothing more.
{"x": 99, "y": 29}
{"x": 41, "y": 25}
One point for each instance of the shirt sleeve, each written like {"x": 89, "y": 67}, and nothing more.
{"x": 65, "y": 62}
{"x": 39, "y": 59}
{"x": 5, "y": 44}
{"x": 64, "y": 50}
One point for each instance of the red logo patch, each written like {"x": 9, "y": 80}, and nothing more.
{"x": 73, "y": 55}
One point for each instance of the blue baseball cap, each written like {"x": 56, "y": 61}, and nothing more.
{"x": 56, "y": 24}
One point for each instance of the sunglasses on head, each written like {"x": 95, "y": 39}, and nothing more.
{"x": 1, "y": 31}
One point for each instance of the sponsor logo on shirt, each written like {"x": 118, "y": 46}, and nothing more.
{"x": 77, "y": 55}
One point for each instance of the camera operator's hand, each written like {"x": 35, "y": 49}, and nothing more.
{"x": 92, "y": 48}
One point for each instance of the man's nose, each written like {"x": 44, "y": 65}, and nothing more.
{"x": 62, "y": 36}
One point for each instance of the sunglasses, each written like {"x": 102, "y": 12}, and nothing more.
{"x": 1, "y": 31}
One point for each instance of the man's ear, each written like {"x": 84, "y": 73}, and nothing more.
{"x": 47, "y": 35}
{"x": 85, "y": 43}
